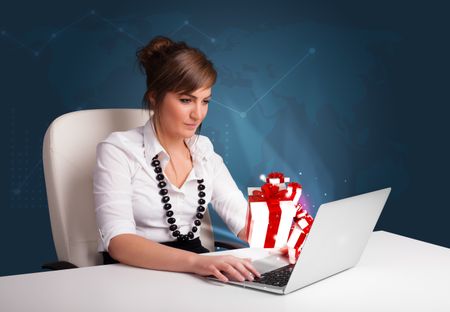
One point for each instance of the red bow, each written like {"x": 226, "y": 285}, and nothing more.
{"x": 295, "y": 187}
{"x": 269, "y": 192}
{"x": 303, "y": 214}
{"x": 275, "y": 175}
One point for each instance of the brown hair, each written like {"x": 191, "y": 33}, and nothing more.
{"x": 173, "y": 67}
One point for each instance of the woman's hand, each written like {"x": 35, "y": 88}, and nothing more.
{"x": 291, "y": 253}
{"x": 243, "y": 234}
{"x": 225, "y": 267}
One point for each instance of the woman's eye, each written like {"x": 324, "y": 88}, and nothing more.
{"x": 188, "y": 100}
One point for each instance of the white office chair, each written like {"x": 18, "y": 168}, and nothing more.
{"x": 69, "y": 155}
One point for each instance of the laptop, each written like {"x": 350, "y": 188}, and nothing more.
{"x": 335, "y": 243}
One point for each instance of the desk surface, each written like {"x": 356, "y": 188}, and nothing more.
{"x": 395, "y": 273}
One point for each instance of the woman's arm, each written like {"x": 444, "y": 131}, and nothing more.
{"x": 112, "y": 193}
{"x": 138, "y": 251}
{"x": 226, "y": 198}
{"x": 243, "y": 234}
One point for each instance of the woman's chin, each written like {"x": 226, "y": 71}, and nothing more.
{"x": 188, "y": 133}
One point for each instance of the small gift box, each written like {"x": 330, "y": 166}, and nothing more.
{"x": 300, "y": 229}
{"x": 271, "y": 211}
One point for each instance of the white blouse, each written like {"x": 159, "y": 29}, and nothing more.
{"x": 126, "y": 192}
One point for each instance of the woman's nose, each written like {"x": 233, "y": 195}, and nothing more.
{"x": 196, "y": 111}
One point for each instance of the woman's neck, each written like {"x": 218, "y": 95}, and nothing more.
{"x": 173, "y": 145}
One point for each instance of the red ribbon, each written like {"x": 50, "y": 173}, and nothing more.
{"x": 271, "y": 194}
{"x": 301, "y": 214}
{"x": 295, "y": 187}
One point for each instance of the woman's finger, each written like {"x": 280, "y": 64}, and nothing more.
{"x": 219, "y": 275}
{"x": 249, "y": 265}
{"x": 284, "y": 250}
{"x": 242, "y": 267}
{"x": 292, "y": 256}
{"x": 232, "y": 272}
{"x": 251, "y": 268}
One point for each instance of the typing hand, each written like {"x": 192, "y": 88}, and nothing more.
{"x": 291, "y": 253}
{"x": 225, "y": 268}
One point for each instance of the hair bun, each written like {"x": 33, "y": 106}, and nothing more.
{"x": 159, "y": 44}
{"x": 156, "y": 48}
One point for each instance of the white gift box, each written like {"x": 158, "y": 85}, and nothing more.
{"x": 295, "y": 235}
{"x": 259, "y": 222}
{"x": 297, "y": 231}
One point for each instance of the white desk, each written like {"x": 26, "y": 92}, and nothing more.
{"x": 395, "y": 273}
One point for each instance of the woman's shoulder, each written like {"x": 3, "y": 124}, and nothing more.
{"x": 205, "y": 142}
{"x": 128, "y": 139}
{"x": 205, "y": 149}
{"x": 121, "y": 149}
{"x": 203, "y": 145}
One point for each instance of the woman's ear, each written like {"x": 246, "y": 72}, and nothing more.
{"x": 151, "y": 100}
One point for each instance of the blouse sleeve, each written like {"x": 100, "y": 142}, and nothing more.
{"x": 228, "y": 201}
{"x": 113, "y": 193}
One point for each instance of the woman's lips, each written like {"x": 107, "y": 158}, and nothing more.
{"x": 193, "y": 126}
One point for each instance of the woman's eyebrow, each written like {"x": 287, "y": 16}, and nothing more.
{"x": 193, "y": 96}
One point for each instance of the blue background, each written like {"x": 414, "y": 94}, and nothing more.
{"x": 342, "y": 97}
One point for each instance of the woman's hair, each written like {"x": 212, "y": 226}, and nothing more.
{"x": 173, "y": 67}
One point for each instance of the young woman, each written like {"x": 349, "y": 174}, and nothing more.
{"x": 152, "y": 184}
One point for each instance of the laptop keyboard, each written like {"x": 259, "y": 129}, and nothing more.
{"x": 278, "y": 277}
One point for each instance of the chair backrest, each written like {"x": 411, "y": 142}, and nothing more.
{"x": 69, "y": 155}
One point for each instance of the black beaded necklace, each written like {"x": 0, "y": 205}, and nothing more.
{"x": 167, "y": 206}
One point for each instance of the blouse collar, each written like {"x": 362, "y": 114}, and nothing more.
{"x": 153, "y": 147}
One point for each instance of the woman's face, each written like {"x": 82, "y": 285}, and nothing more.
{"x": 181, "y": 114}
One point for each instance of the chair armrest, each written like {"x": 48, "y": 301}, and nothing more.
{"x": 58, "y": 265}
{"x": 219, "y": 245}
